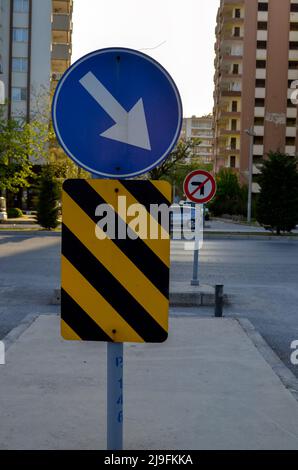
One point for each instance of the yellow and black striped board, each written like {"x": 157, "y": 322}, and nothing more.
{"x": 115, "y": 288}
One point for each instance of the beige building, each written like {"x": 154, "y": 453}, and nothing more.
{"x": 35, "y": 48}
{"x": 200, "y": 128}
{"x": 256, "y": 64}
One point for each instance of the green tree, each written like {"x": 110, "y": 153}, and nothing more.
{"x": 181, "y": 154}
{"x": 277, "y": 205}
{"x": 48, "y": 200}
{"x": 15, "y": 151}
{"x": 179, "y": 163}
{"x": 230, "y": 196}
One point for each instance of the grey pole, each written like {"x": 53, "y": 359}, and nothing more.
{"x": 195, "y": 280}
{"x": 218, "y": 300}
{"x": 115, "y": 396}
{"x": 114, "y": 393}
{"x": 251, "y": 134}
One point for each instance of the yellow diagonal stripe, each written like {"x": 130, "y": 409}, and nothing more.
{"x": 164, "y": 188}
{"x": 107, "y": 191}
{"x": 115, "y": 261}
{"x": 94, "y": 305}
{"x": 67, "y": 332}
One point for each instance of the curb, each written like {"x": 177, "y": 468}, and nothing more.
{"x": 247, "y": 236}
{"x": 18, "y": 330}
{"x": 177, "y": 299}
{"x": 285, "y": 375}
{"x": 195, "y": 299}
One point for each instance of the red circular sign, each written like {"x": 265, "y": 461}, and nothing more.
{"x": 199, "y": 186}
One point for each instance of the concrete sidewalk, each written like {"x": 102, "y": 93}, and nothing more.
{"x": 207, "y": 387}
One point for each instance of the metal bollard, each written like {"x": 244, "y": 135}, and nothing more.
{"x": 218, "y": 300}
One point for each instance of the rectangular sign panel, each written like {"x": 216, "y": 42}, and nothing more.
{"x": 115, "y": 260}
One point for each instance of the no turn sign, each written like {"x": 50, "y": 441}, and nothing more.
{"x": 199, "y": 186}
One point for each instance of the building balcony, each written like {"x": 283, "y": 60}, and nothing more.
{"x": 229, "y": 132}
{"x": 231, "y": 93}
{"x": 290, "y": 150}
{"x": 231, "y": 56}
{"x": 292, "y": 112}
{"x": 226, "y": 151}
{"x": 61, "y": 22}
{"x": 62, "y": 6}
{"x": 61, "y": 51}
{"x": 225, "y": 114}
{"x": 229, "y": 75}
{"x": 258, "y": 150}
{"x": 229, "y": 19}
{"x": 59, "y": 66}
{"x": 291, "y": 131}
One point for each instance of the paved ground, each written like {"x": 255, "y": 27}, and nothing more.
{"x": 261, "y": 275}
{"x": 207, "y": 387}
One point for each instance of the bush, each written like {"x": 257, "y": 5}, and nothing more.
{"x": 14, "y": 213}
{"x": 231, "y": 198}
{"x": 48, "y": 200}
{"x": 277, "y": 204}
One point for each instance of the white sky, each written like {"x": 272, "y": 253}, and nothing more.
{"x": 183, "y": 30}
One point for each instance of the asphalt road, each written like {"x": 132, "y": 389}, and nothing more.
{"x": 260, "y": 276}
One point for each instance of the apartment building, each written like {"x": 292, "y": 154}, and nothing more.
{"x": 255, "y": 67}
{"x": 35, "y": 49}
{"x": 201, "y": 129}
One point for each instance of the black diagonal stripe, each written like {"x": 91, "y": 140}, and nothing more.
{"x": 146, "y": 194}
{"x": 145, "y": 191}
{"x": 136, "y": 250}
{"x": 79, "y": 321}
{"x": 111, "y": 289}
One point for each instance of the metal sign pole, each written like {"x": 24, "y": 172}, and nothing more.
{"x": 114, "y": 392}
{"x": 114, "y": 396}
{"x": 195, "y": 280}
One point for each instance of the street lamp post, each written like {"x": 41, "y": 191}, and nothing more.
{"x": 251, "y": 134}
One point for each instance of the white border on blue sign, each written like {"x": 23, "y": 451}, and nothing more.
{"x": 161, "y": 68}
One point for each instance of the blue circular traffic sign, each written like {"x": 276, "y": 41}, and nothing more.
{"x": 117, "y": 113}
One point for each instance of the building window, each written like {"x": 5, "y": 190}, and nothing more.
{"x": 294, "y": 45}
{"x": 233, "y": 124}
{"x": 232, "y": 161}
{"x": 262, "y": 25}
{"x": 293, "y": 64}
{"x": 237, "y": 32}
{"x": 235, "y": 69}
{"x": 293, "y": 26}
{"x": 20, "y": 34}
{"x": 294, "y": 7}
{"x": 18, "y": 94}
{"x": 291, "y": 122}
{"x": 261, "y": 44}
{"x": 261, "y": 64}
{"x": 263, "y": 6}
{"x": 237, "y": 13}
{"x": 260, "y": 83}
{"x": 234, "y": 106}
{"x": 291, "y": 141}
{"x": 259, "y": 102}
{"x": 19, "y": 64}
{"x": 259, "y": 121}
{"x": 258, "y": 140}
{"x": 233, "y": 143}
{"x": 291, "y": 104}
{"x": 21, "y": 6}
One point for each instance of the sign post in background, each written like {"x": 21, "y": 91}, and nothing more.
{"x": 199, "y": 188}
{"x": 117, "y": 113}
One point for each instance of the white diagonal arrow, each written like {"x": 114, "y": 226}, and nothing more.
{"x": 130, "y": 127}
